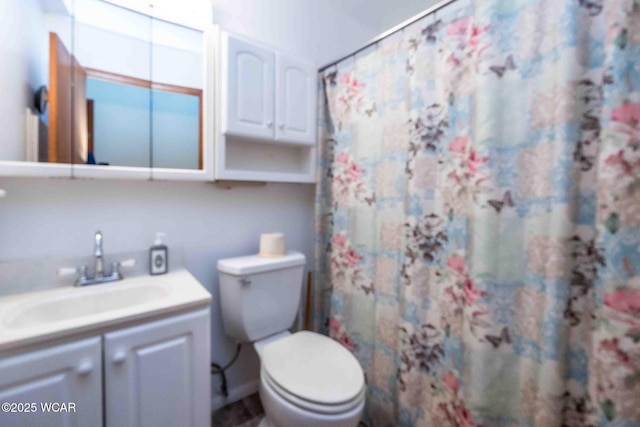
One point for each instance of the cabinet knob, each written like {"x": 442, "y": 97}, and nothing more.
{"x": 85, "y": 368}
{"x": 119, "y": 357}
{"x": 269, "y": 125}
{"x": 281, "y": 126}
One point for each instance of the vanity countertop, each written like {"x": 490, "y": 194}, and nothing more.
{"x": 35, "y": 317}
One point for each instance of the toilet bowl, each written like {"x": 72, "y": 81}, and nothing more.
{"x": 306, "y": 379}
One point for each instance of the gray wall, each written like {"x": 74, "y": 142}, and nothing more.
{"x": 56, "y": 219}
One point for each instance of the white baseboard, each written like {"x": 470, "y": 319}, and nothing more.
{"x": 236, "y": 393}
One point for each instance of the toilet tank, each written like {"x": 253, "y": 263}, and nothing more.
{"x": 260, "y": 296}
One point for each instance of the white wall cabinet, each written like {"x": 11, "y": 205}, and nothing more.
{"x": 267, "y": 111}
{"x": 295, "y": 100}
{"x": 157, "y": 374}
{"x": 69, "y": 373}
{"x": 249, "y": 89}
{"x": 153, "y": 374}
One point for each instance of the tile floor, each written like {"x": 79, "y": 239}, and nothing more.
{"x": 247, "y": 412}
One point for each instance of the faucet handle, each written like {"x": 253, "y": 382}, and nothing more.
{"x": 97, "y": 251}
{"x": 130, "y": 263}
{"x": 80, "y": 272}
{"x": 67, "y": 271}
{"x": 70, "y": 271}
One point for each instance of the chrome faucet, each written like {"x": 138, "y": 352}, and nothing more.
{"x": 98, "y": 271}
{"x": 97, "y": 253}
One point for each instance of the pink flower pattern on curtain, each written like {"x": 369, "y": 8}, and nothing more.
{"x": 478, "y": 209}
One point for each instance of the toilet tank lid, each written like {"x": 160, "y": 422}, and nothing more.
{"x": 255, "y": 264}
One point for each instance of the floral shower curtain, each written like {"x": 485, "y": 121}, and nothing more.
{"x": 479, "y": 215}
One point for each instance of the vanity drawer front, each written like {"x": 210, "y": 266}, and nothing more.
{"x": 69, "y": 374}
{"x": 157, "y": 374}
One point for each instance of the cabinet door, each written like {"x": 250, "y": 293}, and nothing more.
{"x": 69, "y": 373}
{"x": 248, "y": 89}
{"x": 158, "y": 374}
{"x": 295, "y": 100}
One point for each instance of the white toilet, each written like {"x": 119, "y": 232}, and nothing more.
{"x": 306, "y": 379}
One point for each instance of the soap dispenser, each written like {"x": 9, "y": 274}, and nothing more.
{"x": 158, "y": 256}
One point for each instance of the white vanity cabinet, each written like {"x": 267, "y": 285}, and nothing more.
{"x": 152, "y": 373}
{"x": 157, "y": 374}
{"x": 69, "y": 374}
{"x": 267, "y": 111}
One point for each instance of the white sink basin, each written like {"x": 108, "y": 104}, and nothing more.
{"x": 84, "y": 302}
{"x": 41, "y": 316}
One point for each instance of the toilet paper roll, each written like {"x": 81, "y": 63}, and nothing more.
{"x": 272, "y": 245}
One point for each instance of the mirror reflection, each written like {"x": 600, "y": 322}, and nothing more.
{"x": 113, "y": 47}
{"x": 36, "y": 77}
{"x": 177, "y": 72}
{"x": 143, "y": 88}
{"x": 99, "y": 84}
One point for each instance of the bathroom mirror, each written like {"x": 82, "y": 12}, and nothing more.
{"x": 177, "y": 81}
{"x": 36, "y": 78}
{"x": 113, "y": 49}
{"x": 114, "y": 88}
{"x": 144, "y": 89}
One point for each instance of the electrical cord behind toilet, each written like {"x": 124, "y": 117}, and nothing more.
{"x": 218, "y": 370}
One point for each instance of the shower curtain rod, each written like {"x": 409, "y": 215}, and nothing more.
{"x": 393, "y": 30}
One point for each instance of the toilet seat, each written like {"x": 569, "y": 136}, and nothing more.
{"x": 313, "y": 406}
{"x": 313, "y": 372}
